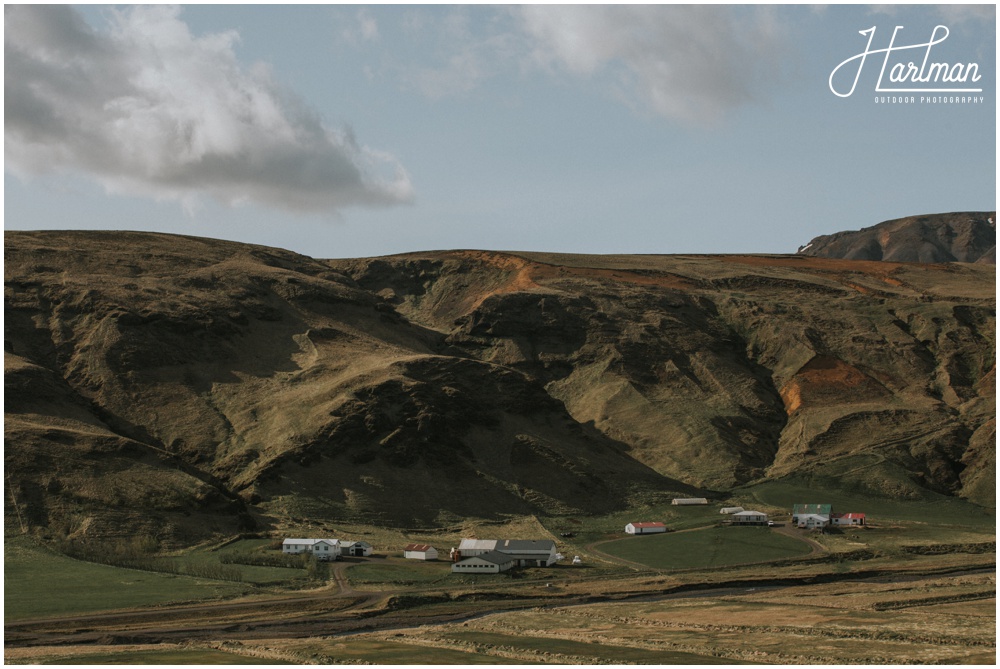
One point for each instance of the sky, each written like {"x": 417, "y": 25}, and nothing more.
{"x": 363, "y": 130}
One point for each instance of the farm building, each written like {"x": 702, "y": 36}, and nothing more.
{"x": 324, "y": 549}
{"x": 355, "y": 548}
{"x": 473, "y": 547}
{"x": 815, "y": 509}
{"x": 749, "y": 518}
{"x": 526, "y": 553}
{"x": 645, "y": 528}
{"x": 490, "y": 562}
{"x": 420, "y": 552}
{"x": 688, "y": 501}
{"x": 731, "y": 509}
{"x": 848, "y": 519}
{"x": 812, "y": 520}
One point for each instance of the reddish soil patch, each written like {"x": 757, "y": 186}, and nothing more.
{"x": 528, "y": 275}
{"x": 826, "y": 379}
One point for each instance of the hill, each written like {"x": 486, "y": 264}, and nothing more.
{"x": 955, "y": 237}
{"x": 181, "y": 387}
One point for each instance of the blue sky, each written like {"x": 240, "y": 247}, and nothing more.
{"x": 362, "y": 130}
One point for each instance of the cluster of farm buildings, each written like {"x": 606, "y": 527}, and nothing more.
{"x": 805, "y": 516}
{"x": 492, "y": 556}
{"x": 473, "y": 556}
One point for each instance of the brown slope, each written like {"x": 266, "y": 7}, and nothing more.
{"x": 719, "y": 370}
{"x": 954, "y": 237}
{"x": 269, "y": 387}
{"x": 262, "y": 386}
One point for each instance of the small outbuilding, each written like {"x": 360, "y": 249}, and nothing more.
{"x": 420, "y": 552}
{"x": 688, "y": 501}
{"x": 811, "y": 521}
{"x": 645, "y": 528}
{"x": 491, "y": 562}
{"x": 730, "y": 509}
{"x": 856, "y": 519}
{"x": 355, "y": 548}
{"x": 749, "y": 518}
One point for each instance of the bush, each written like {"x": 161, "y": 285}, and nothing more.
{"x": 264, "y": 559}
{"x": 132, "y": 553}
{"x": 219, "y": 572}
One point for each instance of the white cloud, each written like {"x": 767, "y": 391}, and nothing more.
{"x": 149, "y": 109}
{"x": 689, "y": 62}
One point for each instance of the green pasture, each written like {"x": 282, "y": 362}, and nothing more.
{"x": 391, "y": 572}
{"x": 41, "y": 583}
{"x": 587, "y": 529}
{"x": 710, "y": 547}
{"x": 932, "y": 508}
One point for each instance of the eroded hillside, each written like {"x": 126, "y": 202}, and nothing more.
{"x": 183, "y": 387}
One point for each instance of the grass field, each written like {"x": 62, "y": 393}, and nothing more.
{"x": 933, "y": 509}
{"x": 710, "y": 547}
{"x": 41, "y": 583}
{"x": 400, "y": 573}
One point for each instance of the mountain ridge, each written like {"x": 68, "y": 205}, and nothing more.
{"x": 184, "y": 387}
{"x": 951, "y": 237}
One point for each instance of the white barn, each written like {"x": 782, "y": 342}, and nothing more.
{"x": 645, "y": 528}
{"x": 848, "y": 519}
{"x": 490, "y": 562}
{"x": 731, "y": 509}
{"x": 420, "y": 552}
{"x": 323, "y": 549}
{"x": 688, "y": 501}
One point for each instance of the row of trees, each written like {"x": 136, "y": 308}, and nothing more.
{"x": 265, "y": 559}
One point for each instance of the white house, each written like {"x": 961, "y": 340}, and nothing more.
{"x": 355, "y": 548}
{"x": 812, "y": 520}
{"x": 490, "y": 562}
{"x": 848, "y": 519}
{"x": 806, "y": 509}
{"x": 323, "y": 549}
{"x": 731, "y": 509}
{"x": 749, "y": 518}
{"x": 420, "y": 552}
{"x": 688, "y": 501}
{"x": 645, "y": 528}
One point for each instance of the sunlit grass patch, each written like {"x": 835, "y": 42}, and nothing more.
{"x": 711, "y": 547}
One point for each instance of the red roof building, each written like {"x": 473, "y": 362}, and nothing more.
{"x": 645, "y": 528}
